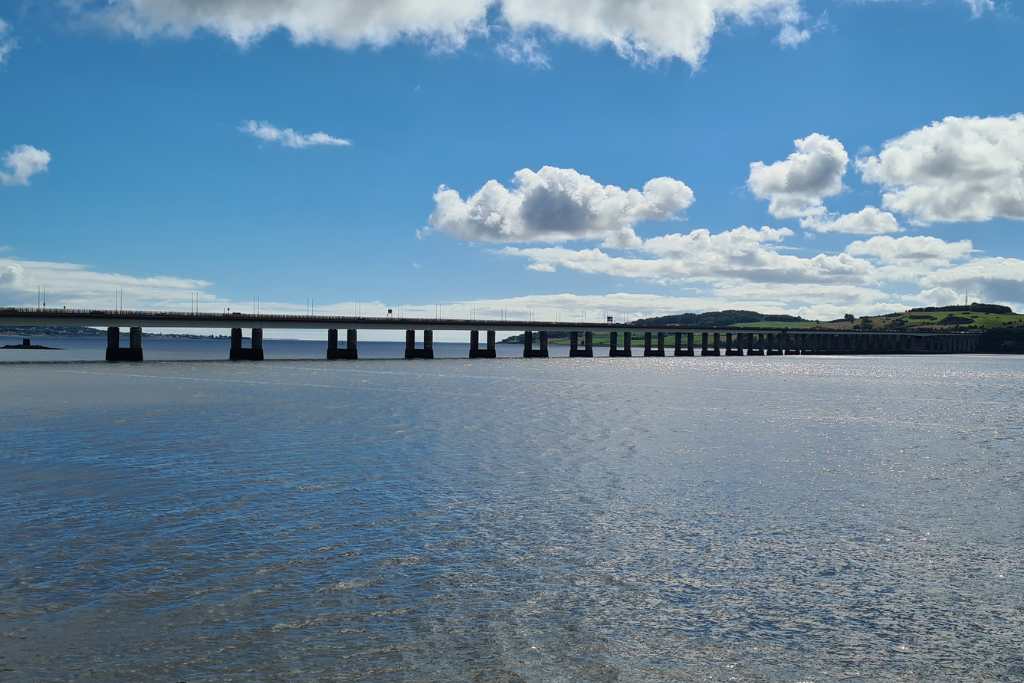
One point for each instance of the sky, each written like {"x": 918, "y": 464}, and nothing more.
{"x": 512, "y": 158}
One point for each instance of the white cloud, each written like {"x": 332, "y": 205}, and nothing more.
{"x": 957, "y": 169}
{"x": 653, "y": 30}
{"x": 521, "y": 48}
{"x": 7, "y": 41}
{"x": 792, "y": 36}
{"x": 76, "y": 285}
{"x": 23, "y": 162}
{"x": 289, "y": 138}
{"x": 993, "y": 280}
{"x": 740, "y": 254}
{"x": 345, "y": 24}
{"x": 918, "y": 248}
{"x": 797, "y": 186}
{"x": 979, "y": 7}
{"x": 645, "y": 32}
{"x": 868, "y": 221}
{"x": 557, "y": 205}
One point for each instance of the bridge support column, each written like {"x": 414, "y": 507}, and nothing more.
{"x": 351, "y": 350}
{"x": 774, "y": 345}
{"x": 658, "y": 350}
{"x": 733, "y": 344}
{"x": 475, "y": 350}
{"x": 412, "y": 351}
{"x": 715, "y": 348}
{"x": 587, "y": 350}
{"x": 133, "y": 353}
{"x": 255, "y": 349}
{"x": 529, "y": 351}
{"x": 627, "y": 345}
{"x": 679, "y": 350}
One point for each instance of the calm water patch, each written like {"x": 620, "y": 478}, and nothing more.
{"x": 793, "y": 518}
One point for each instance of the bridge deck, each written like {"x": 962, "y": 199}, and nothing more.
{"x": 23, "y": 317}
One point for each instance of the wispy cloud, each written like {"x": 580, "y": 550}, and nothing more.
{"x": 288, "y": 137}
{"x": 7, "y": 41}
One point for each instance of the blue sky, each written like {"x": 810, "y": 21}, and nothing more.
{"x": 144, "y": 147}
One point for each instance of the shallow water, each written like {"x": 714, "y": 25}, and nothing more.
{"x": 676, "y": 519}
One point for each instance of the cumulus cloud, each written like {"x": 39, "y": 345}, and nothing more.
{"x": 918, "y": 248}
{"x": 644, "y": 32}
{"x": 557, "y": 205}
{"x": 290, "y": 138}
{"x": 956, "y": 169}
{"x": 797, "y": 186}
{"x": 346, "y": 24}
{"x": 7, "y": 41}
{"x": 653, "y": 30}
{"x": 868, "y": 221}
{"x": 23, "y": 162}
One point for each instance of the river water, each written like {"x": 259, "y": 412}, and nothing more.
{"x": 676, "y": 519}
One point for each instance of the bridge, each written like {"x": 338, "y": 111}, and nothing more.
{"x": 687, "y": 341}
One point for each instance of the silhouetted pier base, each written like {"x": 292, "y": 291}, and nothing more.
{"x": 733, "y": 345}
{"x": 679, "y": 350}
{"x": 476, "y": 351}
{"x": 587, "y": 350}
{"x": 659, "y": 339}
{"x": 115, "y": 352}
{"x": 349, "y": 352}
{"x": 255, "y": 349}
{"x": 541, "y": 351}
{"x": 613, "y": 345}
{"x": 426, "y": 351}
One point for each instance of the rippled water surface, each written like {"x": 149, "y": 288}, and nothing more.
{"x": 793, "y": 519}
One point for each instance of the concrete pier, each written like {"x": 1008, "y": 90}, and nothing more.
{"x": 733, "y": 344}
{"x": 349, "y": 352}
{"x": 587, "y": 350}
{"x": 255, "y": 348}
{"x": 715, "y": 347}
{"x": 774, "y": 345}
{"x": 425, "y": 351}
{"x": 133, "y": 353}
{"x": 679, "y": 350}
{"x": 755, "y": 344}
{"x": 476, "y": 351}
{"x": 627, "y": 345}
{"x": 659, "y": 349}
{"x": 528, "y": 349}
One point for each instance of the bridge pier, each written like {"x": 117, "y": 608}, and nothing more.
{"x": 733, "y": 344}
{"x": 351, "y": 350}
{"x": 658, "y": 350}
{"x": 627, "y": 345}
{"x": 133, "y": 353}
{"x": 715, "y": 349}
{"x": 426, "y": 351}
{"x": 755, "y": 344}
{"x": 774, "y": 345}
{"x": 488, "y": 351}
{"x": 587, "y": 351}
{"x": 255, "y": 350}
{"x": 529, "y": 351}
{"x": 679, "y": 350}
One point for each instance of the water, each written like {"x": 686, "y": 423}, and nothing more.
{"x": 780, "y": 518}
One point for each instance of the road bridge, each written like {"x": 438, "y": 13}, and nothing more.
{"x": 685, "y": 341}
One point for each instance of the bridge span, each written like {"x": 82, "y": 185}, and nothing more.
{"x": 686, "y": 341}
